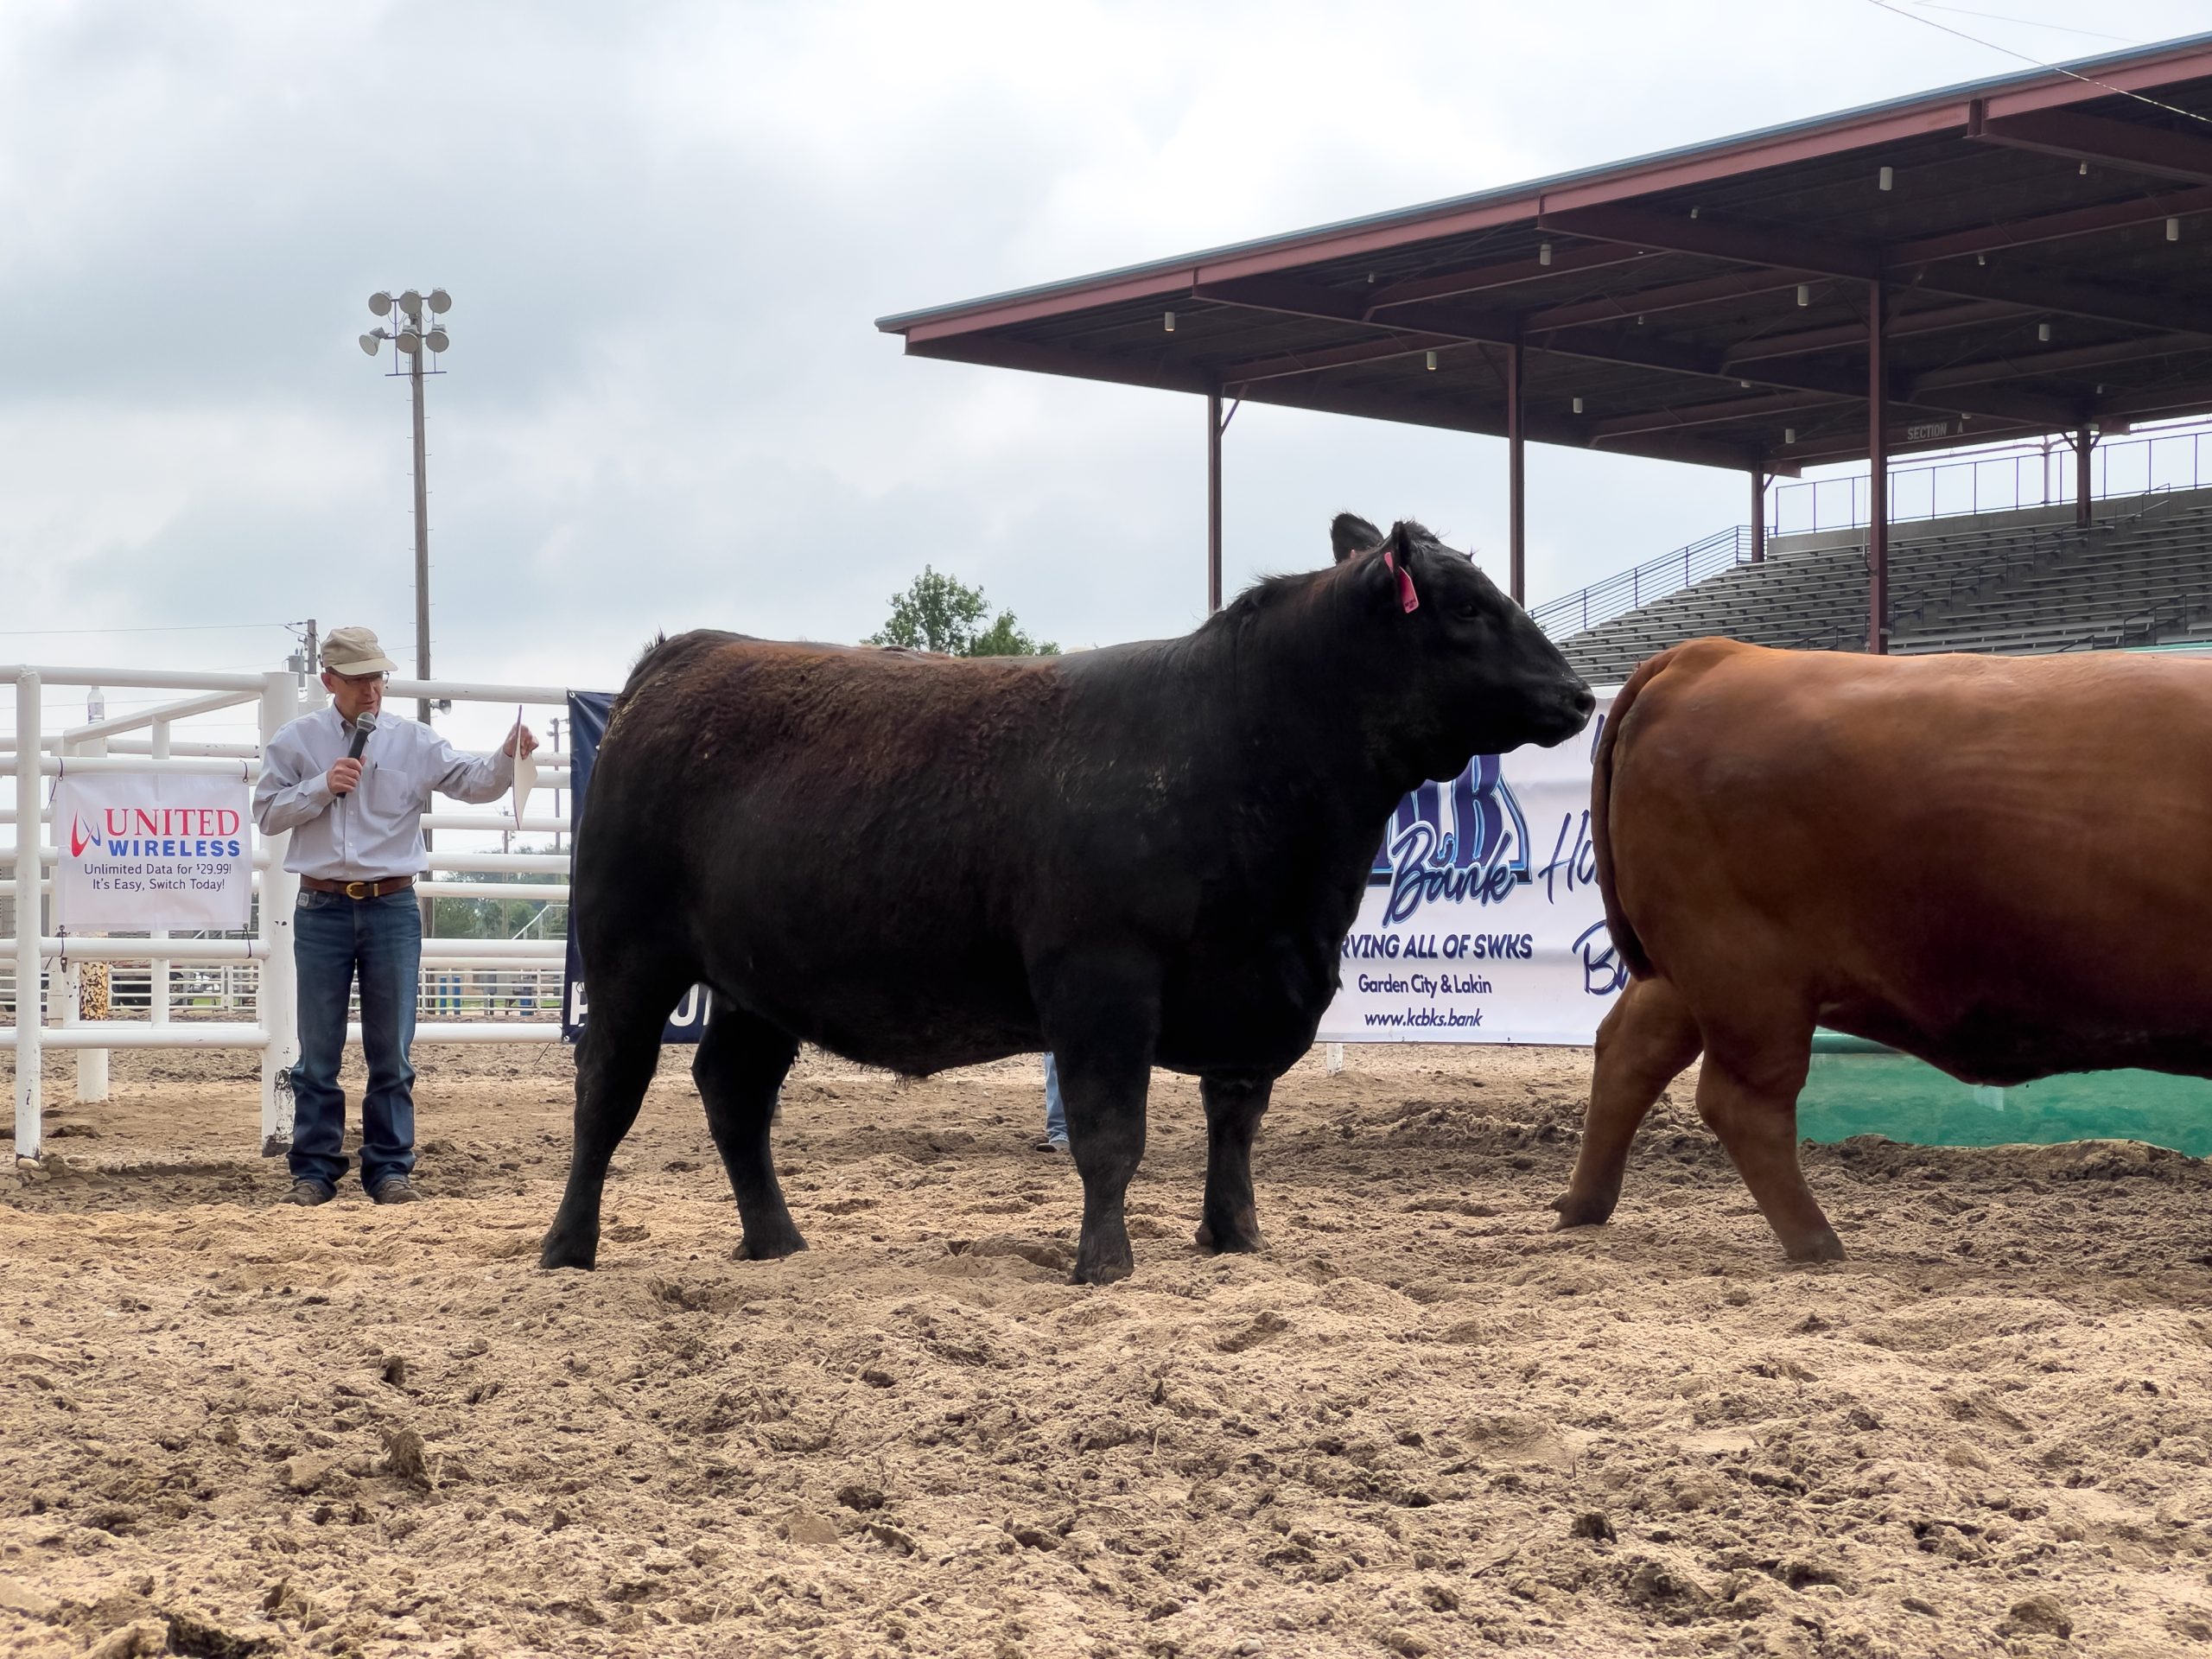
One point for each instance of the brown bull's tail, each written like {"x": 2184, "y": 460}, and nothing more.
{"x": 1625, "y": 941}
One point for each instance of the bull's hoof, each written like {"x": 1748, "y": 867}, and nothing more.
{"x": 1580, "y": 1212}
{"x": 1231, "y": 1237}
{"x": 563, "y": 1251}
{"x": 1821, "y": 1247}
{"x": 1103, "y": 1266}
{"x": 770, "y": 1246}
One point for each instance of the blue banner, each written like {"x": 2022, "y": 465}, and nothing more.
{"x": 588, "y": 712}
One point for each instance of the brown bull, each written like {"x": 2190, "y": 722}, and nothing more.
{"x": 2000, "y": 865}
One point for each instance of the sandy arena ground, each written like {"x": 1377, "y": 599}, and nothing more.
{"x": 1418, "y": 1424}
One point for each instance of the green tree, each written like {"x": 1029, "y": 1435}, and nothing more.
{"x": 941, "y": 612}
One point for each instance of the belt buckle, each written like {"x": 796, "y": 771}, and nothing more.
{"x": 359, "y": 889}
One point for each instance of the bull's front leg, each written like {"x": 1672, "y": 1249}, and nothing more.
{"x": 1230, "y": 1220}
{"x": 1103, "y": 1022}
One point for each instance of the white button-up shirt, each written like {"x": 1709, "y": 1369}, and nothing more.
{"x": 375, "y": 831}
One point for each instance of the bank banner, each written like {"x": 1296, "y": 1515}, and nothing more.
{"x": 152, "y": 849}
{"x": 588, "y": 712}
{"x": 1483, "y": 922}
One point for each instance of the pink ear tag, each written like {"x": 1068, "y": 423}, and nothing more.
{"x": 1408, "y": 601}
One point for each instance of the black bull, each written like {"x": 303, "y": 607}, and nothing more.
{"x": 1147, "y": 854}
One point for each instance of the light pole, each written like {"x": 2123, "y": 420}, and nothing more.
{"x": 411, "y": 339}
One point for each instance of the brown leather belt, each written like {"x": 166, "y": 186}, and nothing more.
{"x": 358, "y": 889}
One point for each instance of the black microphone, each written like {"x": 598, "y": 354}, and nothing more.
{"x": 363, "y": 723}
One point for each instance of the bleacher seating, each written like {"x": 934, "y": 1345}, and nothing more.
{"x": 2141, "y": 574}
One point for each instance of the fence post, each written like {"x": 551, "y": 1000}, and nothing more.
{"x": 276, "y": 1002}
{"x": 158, "y": 971}
{"x": 92, "y": 1063}
{"x": 30, "y": 1003}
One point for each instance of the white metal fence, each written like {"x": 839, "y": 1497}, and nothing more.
{"x": 238, "y": 990}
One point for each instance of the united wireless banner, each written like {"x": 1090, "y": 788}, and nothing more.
{"x": 1482, "y": 921}
{"x": 142, "y": 851}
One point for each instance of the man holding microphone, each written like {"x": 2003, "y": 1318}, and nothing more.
{"x": 351, "y": 782}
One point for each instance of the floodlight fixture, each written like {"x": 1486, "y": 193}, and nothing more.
{"x": 372, "y": 344}
{"x": 437, "y": 340}
{"x": 409, "y": 342}
{"x": 411, "y": 304}
{"x": 440, "y": 301}
{"x": 380, "y": 303}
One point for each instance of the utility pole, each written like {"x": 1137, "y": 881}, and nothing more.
{"x": 412, "y": 339}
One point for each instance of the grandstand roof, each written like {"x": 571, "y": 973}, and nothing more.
{"x": 1711, "y": 304}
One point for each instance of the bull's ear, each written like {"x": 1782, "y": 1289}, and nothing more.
{"x": 1396, "y": 555}
{"x": 1348, "y": 533}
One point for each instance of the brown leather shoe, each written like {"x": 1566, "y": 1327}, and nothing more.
{"x": 395, "y": 1189}
{"x": 307, "y": 1193}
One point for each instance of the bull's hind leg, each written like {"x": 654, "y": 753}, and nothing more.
{"x": 740, "y": 1065}
{"x": 1749, "y": 1098}
{"x": 615, "y": 1060}
{"x": 1642, "y": 1045}
{"x": 1234, "y": 1108}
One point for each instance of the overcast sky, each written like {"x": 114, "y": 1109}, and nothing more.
{"x": 669, "y": 228}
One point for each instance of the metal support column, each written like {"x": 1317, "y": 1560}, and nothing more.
{"x": 1516, "y": 515}
{"x": 1758, "y": 515}
{"x": 30, "y": 919}
{"x": 1213, "y": 502}
{"x": 1878, "y": 491}
{"x": 276, "y": 1004}
{"x": 2084, "y": 444}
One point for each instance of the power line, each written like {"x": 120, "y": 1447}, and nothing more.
{"x": 2054, "y": 68}
{"x": 2027, "y": 22}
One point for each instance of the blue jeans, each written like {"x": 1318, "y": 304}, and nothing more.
{"x": 334, "y": 939}
{"x": 1056, "y": 1113}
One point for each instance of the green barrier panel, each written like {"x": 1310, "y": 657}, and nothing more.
{"x": 1856, "y": 1087}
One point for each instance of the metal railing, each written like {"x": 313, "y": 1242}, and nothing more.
{"x": 1600, "y": 602}
{"x": 2003, "y": 479}
{"x": 461, "y": 976}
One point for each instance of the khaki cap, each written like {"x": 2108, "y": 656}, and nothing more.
{"x": 355, "y": 651}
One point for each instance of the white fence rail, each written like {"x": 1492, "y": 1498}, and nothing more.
{"x": 238, "y": 991}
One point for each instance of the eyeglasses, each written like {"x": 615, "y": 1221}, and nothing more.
{"x": 360, "y": 681}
